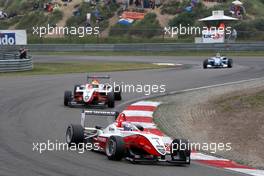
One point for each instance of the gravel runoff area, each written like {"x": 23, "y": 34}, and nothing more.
{"x": 216, "y": 115}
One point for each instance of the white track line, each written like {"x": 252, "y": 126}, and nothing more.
{"x": 201, "y": 156}
{"x": 215, "y": 85}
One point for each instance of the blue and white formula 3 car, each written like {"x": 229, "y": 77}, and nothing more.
{"x": 218, "y": 62}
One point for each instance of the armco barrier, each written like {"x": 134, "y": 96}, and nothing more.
{"x": 10, "y": 62}
{"x": 143, "y": 47}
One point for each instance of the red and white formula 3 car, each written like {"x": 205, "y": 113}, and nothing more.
{"x": 93, "y": 93}
{"x": 123, "y": 139}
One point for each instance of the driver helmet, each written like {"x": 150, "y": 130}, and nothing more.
{"x": 218, "y": 55}
{"x": 127, "y": 127}
{"x": 95, "y": 82}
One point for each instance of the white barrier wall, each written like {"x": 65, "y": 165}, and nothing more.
{"x": 13, "y": 37}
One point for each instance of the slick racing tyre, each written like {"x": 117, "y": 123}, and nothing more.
{"x": 74, "y": 134}
{"x": 118, "y": 93}
{"x": 115, "y": 148}
{"x": 180, "y": 150}
{"x": 230, "y": 63}
{"x": 205, "y": 63}
{"x": 111, "y": 100}
{"x": 67, "y": 97}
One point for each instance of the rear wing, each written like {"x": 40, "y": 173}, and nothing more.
{"x": 98, "y": 77}
{"x": 97, "y": 113}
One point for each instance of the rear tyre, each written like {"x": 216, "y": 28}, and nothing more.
{"x": 115, "y": 148}
{"x": 111, "y": 100}
{"x": 230, "y": 63}
{"x": 74, "y": 134}
{"x": 67, "y": 97}
{"x": 118, "y": 93}
{"x": 180, "y": 150}
{"x": 205, "y": 63}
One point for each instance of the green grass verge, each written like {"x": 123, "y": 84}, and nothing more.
{"x": 82, "y": 67}
{"x": 138, "y": 53}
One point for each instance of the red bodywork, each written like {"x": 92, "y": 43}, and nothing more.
{"x": 135, "y": 141}
{"x": 96, "y": 97}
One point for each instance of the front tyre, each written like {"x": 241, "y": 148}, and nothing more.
{"x": 180, "y": 150}
{"x": 118, "y": 93}
{"x": 74, "y": 134}
{"x": 67, "y": 97}
{"x": 230, "y": 63}
{"x": 115, "y": 148}
{"x": 111, "y": 100}
{"x": 205, "y": 63}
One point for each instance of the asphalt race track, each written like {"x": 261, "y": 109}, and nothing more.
{"x": 32, "y": 111}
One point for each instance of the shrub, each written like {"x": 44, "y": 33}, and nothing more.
{"x": 119, "y": 30}
{"x": 148, "y": 27}
{"x": 32, "y": 19}
{"x": 38, "y": 18}
{"x": 184, "y": 19}
{"x": 171, "y": 8}
{"x": 18, "y": 6}
{"x": 250, "y": 29}
{"x": 80, "y": 20}
{"x": 2, "y": 3}
{"x": 85, "y": 8}
{"x": 54, "y": 17}
{"x": 190, "y": 18}
{"x": 259, "y": 24}
{"x": 5, "y": 24}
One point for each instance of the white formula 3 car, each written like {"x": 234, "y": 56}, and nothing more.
{"x": 218, "y": 61}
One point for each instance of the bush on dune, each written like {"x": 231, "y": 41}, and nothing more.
{"x": 148, "y": 27}
{"x": 38, "y": 18}
{"x": 85, "y": 8}
{"x": 190, "y": 18}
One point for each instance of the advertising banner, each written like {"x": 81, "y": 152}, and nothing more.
{"x": 13, "y": 37}
{"x": 213, "y": 36}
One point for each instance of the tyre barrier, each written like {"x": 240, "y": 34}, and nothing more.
{"x": 10, "y": 62}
